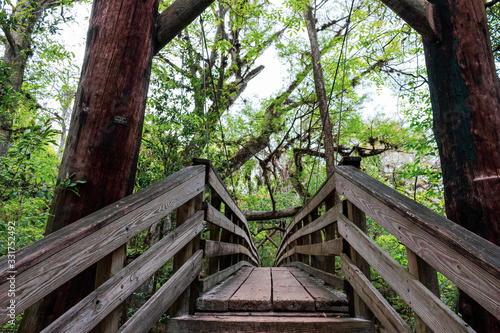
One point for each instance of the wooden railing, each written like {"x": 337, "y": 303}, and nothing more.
{"x": 45, "y": 265}
{"x": 432, "y": 241}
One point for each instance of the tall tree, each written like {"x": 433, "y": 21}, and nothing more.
{"x": 465, "y": 96}
{"x": 319, "y": 83}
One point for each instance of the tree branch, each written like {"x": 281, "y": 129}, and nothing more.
{"x": 271, "y": 215}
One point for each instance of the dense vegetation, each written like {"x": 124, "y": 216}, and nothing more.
{"x": 269, "y": 149}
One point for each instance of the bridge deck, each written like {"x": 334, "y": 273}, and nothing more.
{"x": 278, "y": 289}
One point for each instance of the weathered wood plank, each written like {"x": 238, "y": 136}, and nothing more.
{"x": 72, "y": 258}
{"x": 185, "y": 303}
{"x": 217, "y": 298}
{"x": 255, "y": 293}
{"x": 328, "y": 248}
{"x": 389, "y": 318}
{"x": 426, "y": 274}
{"x": 460, "y": 255}
{"x": 320, "y": 196}
{"x": 273, "y": 324}
{"x": 159, "y": 303}
{"x": 213, "y": 279}
{"x": 188, "y": 178}
{"x": 325, "y": 299}
{"x": 329, "y": 278}
{"x": 430, "y": 308}
{"x": 288, "y": 293}
{"x": 216, "y": 217}
{"x": 216, "y": 249}
{"x": 86, "y": 314}
{"x": 322, "y": 222}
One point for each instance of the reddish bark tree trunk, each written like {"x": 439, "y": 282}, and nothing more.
{"x": 105, "y": 133}
{"x": 465, "y": 95}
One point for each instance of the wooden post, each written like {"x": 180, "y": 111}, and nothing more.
{"x": 316, "y": 237}
{"x": 184, "y": 303}
{"x": 357, "y": 307}
{"x": 226, "y": 237}
{"x": 107, "y": 268}
{"x": 306, "y": 240}
{"x": 331, "y": 231}
{"x": 426, "y": 274}
{"x": 213, "y": 263}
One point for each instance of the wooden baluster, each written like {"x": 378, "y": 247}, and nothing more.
{"x": 213, "y": 263}
{"x": 426, "y": 274}
{"x": 107, "y": 267}
{"x": 316, "y": 237}
{"x": 184, "y": 304}
{"x": 295, "y": 257}
{"x": 357, "y": 307}
{"x": 331, "y": 230}
{"x": 226, "y": 237}
{"x": 306, "y": 240}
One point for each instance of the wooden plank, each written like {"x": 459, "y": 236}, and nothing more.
{"x": 188, "y": 178}
{"x": 215, "y": 231}
{"x": 158, "y": 304}
{"x": 322, "y": 222}
{"x": 213, "y": 279}
{"x": 318, "y": 198}
{"x": 358, "y": 308}
{"x": 460, "y": 255}
{"x": 182, "y": 306}
{"x": 277, "y": 314}
{"x": 329, "y": 278}
{"x": 216, "y": 217}
{"x": 270, "y": 324}
{"x": 217, "y": 249}
{"x": 426, "y": 274}
{"x": 86, "y": 314}
{"x": 430, "y": 308}
{"x": 389, "y": 318}
{"x": 255, "y": 293}
{"x": 217, "y": 298}
{"x": 328, "y": 248}
{"x": 46, "y": 275}
{"x": 325, "y": 299}
{"x": 288, "y": 293}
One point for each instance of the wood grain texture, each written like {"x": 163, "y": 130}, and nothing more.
{"x": 213, "y": 279}
{"x": 328, "y": 248}
{"x": 380, "y": 307}
{"x": 255, "y": 293}
{"x": 46, "y": 275}
{"x": 329, "y": 278}
{"x": 324, "y": 191}
{"x": 217, "y": 298}
{"x": 460, "y": 255}
{"x": 54, "y": 242}
{"x": 325, "y": 299}
{"x": 288, "y": 293}
{"x": 217, "y": 185}
{"x": 159, "y": 303}
{"x": 263, "y": 324}
{"x": 87, "y": 313}
{"x": 430, "y": 308}
{"x": 217, "y": 218}
{"x": 217, "y": 249}
{"x": 322, "y": 222}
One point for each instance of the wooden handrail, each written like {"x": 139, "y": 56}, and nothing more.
{"x": 433, "y": 243}
{"x": 48, "y": 263}
{"x": 469, "y": 261}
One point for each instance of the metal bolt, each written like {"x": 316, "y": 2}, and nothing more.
{"x": 408, "y": 289}
{"x": 127, "y": 227}
{"x": 399, "y": 227}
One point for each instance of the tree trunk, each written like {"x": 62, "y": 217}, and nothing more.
{"x": 105, "y": 132}
{"x": 319, "y": 84}
{"x": 465, "y": 95}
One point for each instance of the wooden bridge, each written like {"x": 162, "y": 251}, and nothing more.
{"x": 218, "y": 286}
